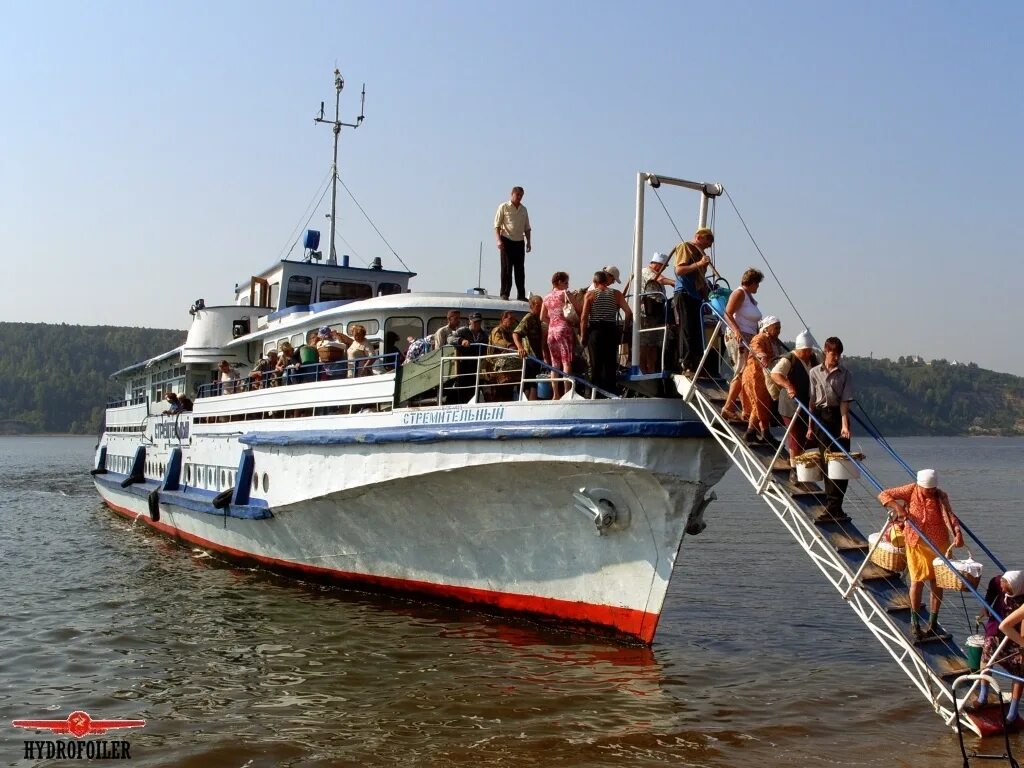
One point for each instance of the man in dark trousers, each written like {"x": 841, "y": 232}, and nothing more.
{"x": 691, "y": 290}
{"x": 512, "y": 230}
{"x": 469, "y": 341}
{"x": 792, "y": 374}
{"x": 831, "y": 394}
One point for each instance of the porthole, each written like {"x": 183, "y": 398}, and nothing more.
{"x": 223, "y": 479}
{"x": 266, "y": 482}
{"x": 255, "y": 481}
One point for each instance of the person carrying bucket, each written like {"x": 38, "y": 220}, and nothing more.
{"x": 928, "y": 508}
{"x": 1005, "y": 594}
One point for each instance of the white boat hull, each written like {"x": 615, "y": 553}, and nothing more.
{"x": 491, "y": 522}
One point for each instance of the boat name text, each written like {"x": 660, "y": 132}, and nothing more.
{"x": 455, "y": 416}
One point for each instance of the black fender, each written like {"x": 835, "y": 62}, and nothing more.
{"x": 222, "y": 499}
{"x": 154, "y": 505}
{"x": 132, "y": 480}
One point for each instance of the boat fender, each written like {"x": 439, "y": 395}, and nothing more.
{"x": 223, "y": 498}
{"x": 154, "y": 505}
{"x": 131, "y": 480}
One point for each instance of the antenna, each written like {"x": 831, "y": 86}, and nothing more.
{"x": 480, "y": 268}
{"x": 337, "y": 125}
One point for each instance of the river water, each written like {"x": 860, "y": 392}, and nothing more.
{"x": 756, "y": 662}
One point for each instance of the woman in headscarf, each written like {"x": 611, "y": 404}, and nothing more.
{"x": 763, "y": 353}
{"x": 1005, "y": 594}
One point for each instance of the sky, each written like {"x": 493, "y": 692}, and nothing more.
{"x": 152, "y": 154}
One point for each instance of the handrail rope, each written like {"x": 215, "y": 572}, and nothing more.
{"x": 373, "y": 225}
{"x": 293, "y": 236}
{"x": 765, "y": 258}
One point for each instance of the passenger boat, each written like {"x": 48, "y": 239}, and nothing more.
{"x": 419, "y": 477}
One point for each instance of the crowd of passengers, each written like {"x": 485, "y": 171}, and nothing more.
{"x": 583, "y": 337}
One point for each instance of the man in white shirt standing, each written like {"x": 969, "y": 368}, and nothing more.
{"x": 512, "y": 230}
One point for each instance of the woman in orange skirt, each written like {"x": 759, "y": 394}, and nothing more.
{"x": 763, "y": 352}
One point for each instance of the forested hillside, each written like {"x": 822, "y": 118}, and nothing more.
{"x": 912, "y": 397}
{"x": 56, "y": 378}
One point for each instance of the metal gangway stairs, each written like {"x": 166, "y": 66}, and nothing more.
{"x": 934, "y": 663}
{"x": 878, "y": 597}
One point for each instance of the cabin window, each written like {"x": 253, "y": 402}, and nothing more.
{"x": 371, "y": 326}
{"x": 300, "y": 291}
{"x": 298, "y": 340}
{"x": 275, "y": 290}
{"x": 336, "y": 290}
{"x": 388, "y": 289}
{"x": 404, "y": 327}
{"x": 434, "y": 324}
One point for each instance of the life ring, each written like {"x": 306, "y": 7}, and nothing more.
{"x": 154, "y": 505}
{"x": 223, "y": 498}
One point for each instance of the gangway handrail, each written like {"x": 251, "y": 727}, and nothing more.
{"x": 823, "y": 554}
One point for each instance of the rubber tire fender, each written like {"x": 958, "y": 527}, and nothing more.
{"x": 154, "y": 505}
{"x": 222, "y": 499}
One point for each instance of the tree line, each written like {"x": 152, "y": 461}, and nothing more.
{"x": 56, "y": 378}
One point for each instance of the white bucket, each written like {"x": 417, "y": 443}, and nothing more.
{"x": 808, "y": 473}
{"x": 842, "y": 469}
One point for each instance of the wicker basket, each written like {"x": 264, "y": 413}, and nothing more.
{"x": 948, "y": 579}
{"x": 330, "y": 351}
{"x": 886, "y": 555}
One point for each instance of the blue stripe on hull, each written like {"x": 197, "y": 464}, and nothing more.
{"x": 534, "y": 430}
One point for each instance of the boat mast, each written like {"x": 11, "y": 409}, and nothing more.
{"x": 339, "y": 84}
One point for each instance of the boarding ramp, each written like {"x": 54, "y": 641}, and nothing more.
{"x": 838, "y": 548}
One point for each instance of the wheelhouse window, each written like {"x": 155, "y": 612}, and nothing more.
{"x": 404, "y": 328}
{"x": 338, "y": 290}
{"x": 300, "y": 291}
{"x": 388, "y": 289}
{"x": 371, "y": 326}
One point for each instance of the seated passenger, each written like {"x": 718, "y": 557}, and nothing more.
{"x": 262, "y": 374}
{"x": 288, "y": 363}
{"x": 418, "y": 348}
{"x": 173, "y": 402}
{"x": 359, "y": 352}
{"x": 330, "y": 345}
{"x": 230, "y": 381}
{"x": 391, "y": 348}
